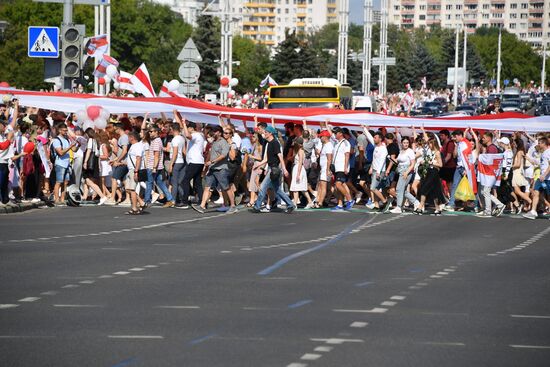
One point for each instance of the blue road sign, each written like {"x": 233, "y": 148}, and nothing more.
{"x": 506, "y": 81}
{"x": 43, "y": 42}
{"x": 493, "y": 82}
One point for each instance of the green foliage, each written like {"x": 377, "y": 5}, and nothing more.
{"x": 254, "y": 63}
{"x": 207, "y": 39}
{"x": 295, "y": 58}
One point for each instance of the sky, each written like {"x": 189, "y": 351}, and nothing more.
{"x": 356, "y": 10}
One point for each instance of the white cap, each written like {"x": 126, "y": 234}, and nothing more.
{"x": 504, "y": 140}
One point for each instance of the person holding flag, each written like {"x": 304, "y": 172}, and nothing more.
{"x": 464, "y": 166}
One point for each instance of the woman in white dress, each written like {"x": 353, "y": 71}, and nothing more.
{"x": 299, "y": 176}
{"x": 105, "y": 168}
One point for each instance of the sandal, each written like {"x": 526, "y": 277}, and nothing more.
{"x": 133, "y": 212}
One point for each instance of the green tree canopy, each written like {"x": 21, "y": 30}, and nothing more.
{"x": 207, "y": 39}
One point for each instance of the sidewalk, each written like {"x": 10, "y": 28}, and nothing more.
{"x": 21, "y": 207}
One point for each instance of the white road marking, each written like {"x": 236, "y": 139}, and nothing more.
{"x": 323, "y": 348}
{"x": 105, "y": 276}
{"x": 449, "y": 270}
{"x": 29, "y": 299}
{"x": 310, "y": 357}
{"x": 398, "y": 298}
{"x": 373, "y": 310}
{"x": 337, "y": 341}
{"x": 135, "y": 337}
{"x": 414, "y": 287}
{"x": 49, "y": 293}
{"x": 7, "y": 305}
{"x": 530, "y": 346}
{"x": 422, "y": 284}
{"x": 78, "y": 306}
{"x": 137, "y": 269}
{"x": 359, "y": 324}
{"x": 226, "y": 252}
{"x": 151, "y": 266}
{"x": 530, "y": 316}
{"x": 179, "y": 307}
{"x": 70, "y": 286}
{"x": 164, "y": 263}
{"x": 442, "y": 273}
{"x": 87, "y": 282}
{"x": 449, "y": 344}
{"x": 388, "y": 303}
{"x": 297, "y": 365}
{"x": 26, "y": 336}
{"x": 121, "y": 273}
{"x": 436, "y": 276}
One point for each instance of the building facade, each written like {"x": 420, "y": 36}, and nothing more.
{"x": 529, "y": 20}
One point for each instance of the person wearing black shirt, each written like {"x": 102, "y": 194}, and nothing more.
{"x": 391, "y": 167}
{"x": 273, "y": 158}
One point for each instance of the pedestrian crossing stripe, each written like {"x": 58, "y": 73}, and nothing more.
{"x": 43, "y": 42}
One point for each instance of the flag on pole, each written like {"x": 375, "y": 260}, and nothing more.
{"x": 489, "y": 169}
{"x": 268, "y": 81}
{"x": 424, "y": 83}
{"x": 142, "y": 82}
{"x": 97, "y": 46}
{"x": 124, "y": 80}
{"x": 165, "y": 92}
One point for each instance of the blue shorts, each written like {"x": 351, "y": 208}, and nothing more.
{"x": 62, "y": 174}
{"x": 215, "y": 178}
{"x": 543, "y": 186}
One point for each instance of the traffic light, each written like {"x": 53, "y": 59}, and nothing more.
{"x": 71, "y": 50}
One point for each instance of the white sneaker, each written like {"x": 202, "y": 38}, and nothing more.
{"x": 102, "y": 200}
{"x": 358, "y": 197}
{"x": 155, "y": 197}
{"x": 35, "y": 200}
{"x": 370, "y": 205}
{"x": 308, "y": 206}
{"x": 396, "y": 210}
{"x": 219, "y": 201}
{"x": 449, "y": 208}
{"x": 416, "y": 206}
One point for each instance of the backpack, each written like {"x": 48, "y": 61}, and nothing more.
{"x": 53, "y": 153}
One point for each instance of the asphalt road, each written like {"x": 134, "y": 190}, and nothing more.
{"x": 93, "y": 287}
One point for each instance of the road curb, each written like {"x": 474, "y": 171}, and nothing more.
{"x": 19, "y": 208}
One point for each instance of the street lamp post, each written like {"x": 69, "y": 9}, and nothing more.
{"x": 383, "y": 46}
{"x": 499, "y": 63}
{"x": 543, "y": 74}
{"x": 343, "y": 17}
{"x": 367, "y": 46}
{"x": 455, "y": 86}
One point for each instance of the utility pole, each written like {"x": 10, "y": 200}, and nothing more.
{"x": 465, "y": 56}
{"x": 499, "y": 63}
{"x": 383, "y": 46}
{"x": 543, "y": 74}
{"x": 343, "y": 19}
{"x": 455, "y": 86}
{"x": 367, "y": 46}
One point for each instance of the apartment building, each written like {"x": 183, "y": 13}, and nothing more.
{"x": 529, "y": 20}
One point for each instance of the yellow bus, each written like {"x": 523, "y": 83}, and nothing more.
{"x": 311, "y": 92}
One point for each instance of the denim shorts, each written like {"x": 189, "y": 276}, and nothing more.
{"x": 539, "y": 186}
{"x": 62, "y": 174}
{"x": 215, "y": 178}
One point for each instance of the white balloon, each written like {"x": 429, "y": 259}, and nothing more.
{"x": 223, "y": 89}
{"x": 111, "y": 71}
{"x": 173, "y": 85}
{"x": 231, "y": 94}
{"x": 100, "y": 123}
{"x": 87, "y": 124}
{"x": 81, "y": 115}
{"x": 116, "y": 85}
{"x": 130, "y": 96}
{"x": 107, "y": 79}
{"x": 233, "y": 82}
{"x": 104, "y": 114}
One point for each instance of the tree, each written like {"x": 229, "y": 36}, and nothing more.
{"x": 254, "y": 63}
{"x": 207, "y": 39}
{"x": 294, "y": 59}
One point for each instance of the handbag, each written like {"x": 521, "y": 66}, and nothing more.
{"x": 332, "y": 166}
{"x": 275, "y": 173}
{"x": 142, "y": 173}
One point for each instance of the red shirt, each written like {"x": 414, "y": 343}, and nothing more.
{"x": 448, "y": 148}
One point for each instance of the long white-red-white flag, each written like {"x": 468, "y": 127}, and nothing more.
{"x": 165, "y": 91}
{"x": 489, "y": 169}
{"x": 142, "y": 82}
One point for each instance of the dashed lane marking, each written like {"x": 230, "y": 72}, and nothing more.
{"x": 179, "y": 307}
{"x": 323, "y": 348}
{"x": 445, "y": 344}
{"x": 49, "y": 293}
{"x": 337, "y": 341}
{"x": 530, "y": 346}
{"x": 310, "y": 357}
{"x": 388, "y": 303}
{"x": 121, "y": 273}
{"x": 358, "y": 324}
{"x": 69, "y": 286}
{"x": 398, "y": 298}
{"x": 372, "y": 310}
{"x": 29, "y": 299}
{"x": 78, "y": 306}
{"x": 135, "y": 337}
{"x": 530, "y": 316}
{"x": 7, "y": 305}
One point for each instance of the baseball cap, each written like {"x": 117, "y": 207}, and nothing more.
{"x": 325, "y": 133}
{"x": 504, "y": 140}
{"x": 271, "y": 130}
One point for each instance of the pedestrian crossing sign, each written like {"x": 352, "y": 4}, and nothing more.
{"x": 43, "y": 42}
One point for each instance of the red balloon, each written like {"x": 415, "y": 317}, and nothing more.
{"x": 101, "y": 81}
{"x": 4, "y": 85}
{"x": 29, "y": 147}
{"x": 93, "y": 112}
{"x": 224, "y": 81}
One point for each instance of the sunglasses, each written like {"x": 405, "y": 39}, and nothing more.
{"x": 226, "y": 133}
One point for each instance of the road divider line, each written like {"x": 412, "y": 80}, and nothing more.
{"x": 135, "y": 337}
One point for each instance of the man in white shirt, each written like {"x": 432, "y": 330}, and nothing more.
{"x": 378, "y": 166}
{"x": 340, "y": 160}
{"x": 324, "y": 150}
{"x": 195, "y": 160}
{"x": 176, "y": 166}
{"x": 542, "y": 185}
{"x": 5, "y": 155}
{"x": 61, "y": 145}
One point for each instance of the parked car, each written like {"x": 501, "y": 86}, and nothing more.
{"x": 432, "y": 108}
{"x": 479, "y": 103}
{"x": 511, "y": 105}
{"x": 467, "y": 108}
{"x": 543, "y": 107}
{"x": 525, "y": 101}
{"x": 443, "y": 102}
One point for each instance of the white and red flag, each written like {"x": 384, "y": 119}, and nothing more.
{"x": 465, "y": 149}
{"x": 489, "y": 168}
{"x": 424, "y": 82}
{"x": 142, "y": 82}
{"x": 166, "y": 92}
{"x": 268, "y": 81}
{"x": 124, "y": 81}
{"x": 408, "y": 100}
{"x": 97, "y": 46}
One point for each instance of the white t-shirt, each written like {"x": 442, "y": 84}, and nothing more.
{"x": 93, "y": 146}
{"x": 405, "y": 158}
{"x": 195, "y": 148}
{"x": 544, "y": 162}
{"x": 177, "y": 142}
{"x": 136, "y": 150}
{"x": 237, "y": 140}
{"x": 379, "y": 158}
{"x": 326, "y": 149}
{"x": 460, "y": 159}
{"x": 339, "y": 157}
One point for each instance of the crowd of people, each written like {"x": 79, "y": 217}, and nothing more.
{"x": 139, "y": 161}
